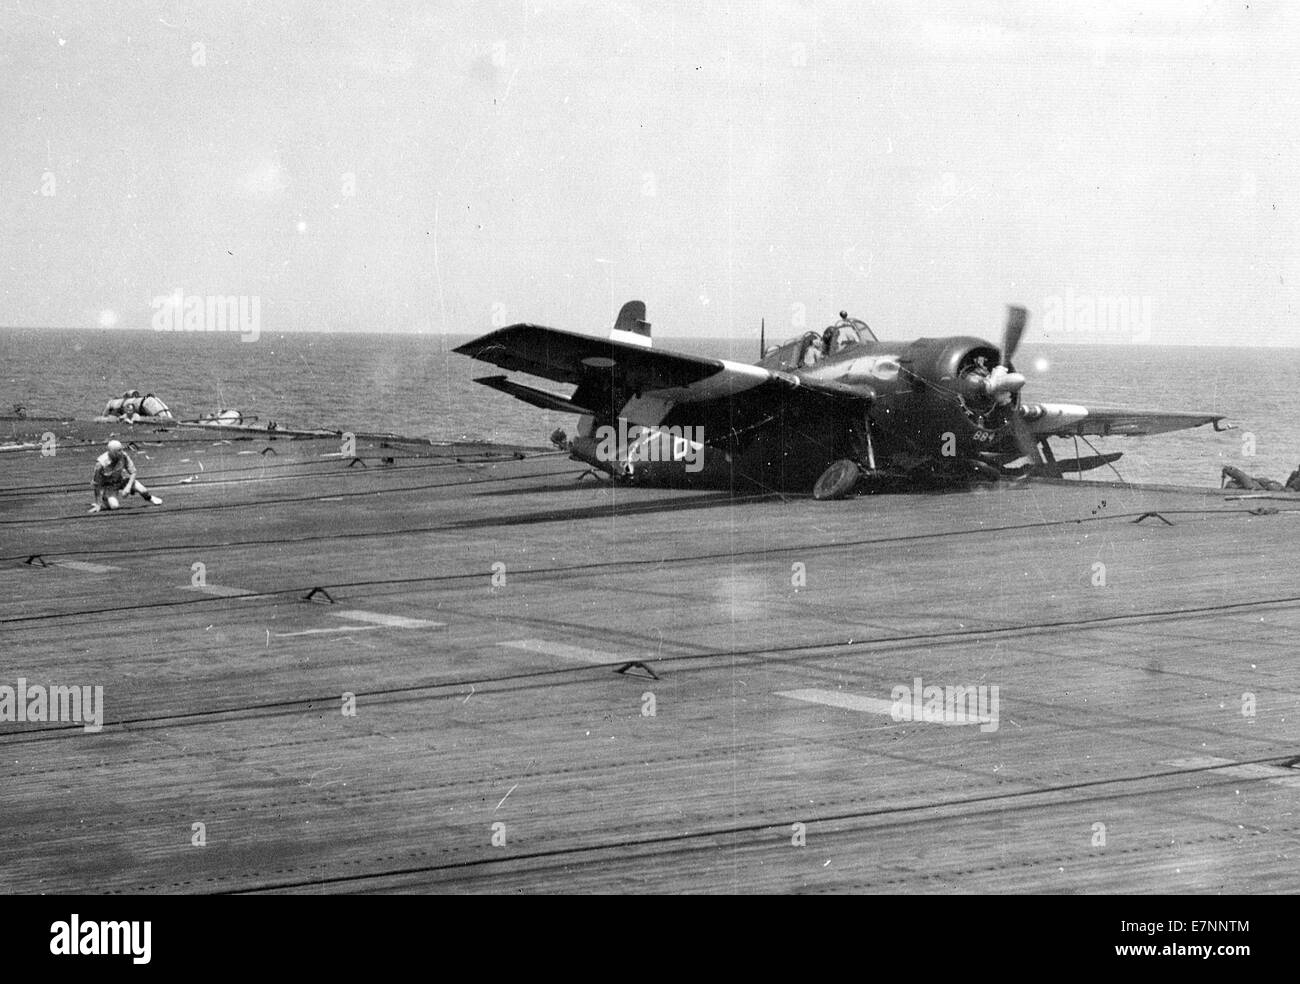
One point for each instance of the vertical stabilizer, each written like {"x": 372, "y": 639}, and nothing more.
{"x": 631, "y": 327}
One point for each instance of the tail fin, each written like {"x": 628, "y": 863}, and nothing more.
{"x": 631, "y": 327}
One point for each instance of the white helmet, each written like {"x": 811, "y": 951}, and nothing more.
{"x": 114, "y": 447}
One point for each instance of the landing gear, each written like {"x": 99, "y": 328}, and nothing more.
{"x": 1049, "y": 467}
{"x": 837, "y": 481}
{"x": 845, "y": 474}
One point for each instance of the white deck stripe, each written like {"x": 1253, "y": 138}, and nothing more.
{"x": 866, "y": 705}
{"x": 836, "y": 698}
{"x": 393, "y": 621}
{"x": 563, "y": 650}
{"x": 217, "y": 589}
{"x": 85, "y": 566}
{"x": 341, "y": 628}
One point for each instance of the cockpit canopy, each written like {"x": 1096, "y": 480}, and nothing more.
{"x": 840, "y": 336}
{"x": 811, "y": 347}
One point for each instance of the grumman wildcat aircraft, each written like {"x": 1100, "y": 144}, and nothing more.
{"x": 830, "y": 411}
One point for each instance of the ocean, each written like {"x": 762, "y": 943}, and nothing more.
{"x": 413, "y": 385}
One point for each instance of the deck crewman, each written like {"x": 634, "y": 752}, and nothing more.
{"x": 115, "y": 475}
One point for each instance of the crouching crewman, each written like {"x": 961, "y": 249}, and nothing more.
{"x": 114, "y": 476}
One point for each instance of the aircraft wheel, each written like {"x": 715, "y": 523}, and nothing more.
{"x": 838, "y": 480}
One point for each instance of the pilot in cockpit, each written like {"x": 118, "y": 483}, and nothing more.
{"x": 813, "y": 351}
{"x": 836, "y": 338}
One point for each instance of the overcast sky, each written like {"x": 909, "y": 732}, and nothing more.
{"x": 451, "y": 167}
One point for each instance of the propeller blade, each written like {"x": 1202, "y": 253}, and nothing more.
{"x": 1025, "y": 439}
{"x": 1016, "y": 319}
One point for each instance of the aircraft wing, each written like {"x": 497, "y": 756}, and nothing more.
{"x": 567, "y": 357}
{"x": 667, "y": 378}
{"x": 1069, "y": 420}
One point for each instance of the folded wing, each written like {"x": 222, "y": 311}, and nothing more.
{"x": 645, "y": 384}
{"x": 567, "y": 357}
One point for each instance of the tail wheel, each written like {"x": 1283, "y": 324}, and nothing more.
{"x": 838, "y": 480}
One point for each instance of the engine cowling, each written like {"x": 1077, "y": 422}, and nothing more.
{"x": 957, "y": 387}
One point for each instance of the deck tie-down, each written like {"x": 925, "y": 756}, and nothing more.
{"x": 36, "y": 560}
{"x": 1154, "y": 515}
{"x": 627, "y": 669}
{"x": 315, "y": 591}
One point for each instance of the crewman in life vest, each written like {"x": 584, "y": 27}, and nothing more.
{"x": 114, "y": 476}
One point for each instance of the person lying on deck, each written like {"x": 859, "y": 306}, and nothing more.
{"x": 1235, "y": 478}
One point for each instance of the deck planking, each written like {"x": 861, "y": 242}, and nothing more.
{"x": 482, "y": 703}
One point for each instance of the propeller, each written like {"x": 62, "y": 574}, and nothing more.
{"x": 1003, "y": 381}
{"x": 1017, "y": 317}
{"x": 1025, "y": 439}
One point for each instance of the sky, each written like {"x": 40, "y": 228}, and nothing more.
{"x": 1126, "y": 171}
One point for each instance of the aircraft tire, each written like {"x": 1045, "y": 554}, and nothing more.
{"x": 838, "y": 480}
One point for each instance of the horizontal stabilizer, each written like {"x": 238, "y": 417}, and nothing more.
{"x": 534, "y": 397}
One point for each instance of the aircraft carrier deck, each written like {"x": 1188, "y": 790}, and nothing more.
{"x": 479, "y": 604}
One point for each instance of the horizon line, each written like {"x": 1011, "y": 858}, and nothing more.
{"x": 665, "y": 335}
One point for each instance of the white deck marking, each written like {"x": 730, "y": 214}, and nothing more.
{"x": 341, "y": 628}
{"x": 1274, "y": 774}
{"x": 393, "y": 621}
{"x": 836, "y": 698}
{"x": 85, "y": 566}
{"x": 867, "y": 705}
{"x": 563, "y": 650}
{"x": 217, "y": 589}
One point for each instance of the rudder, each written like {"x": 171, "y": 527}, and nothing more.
{"x": 631, "y": 327}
